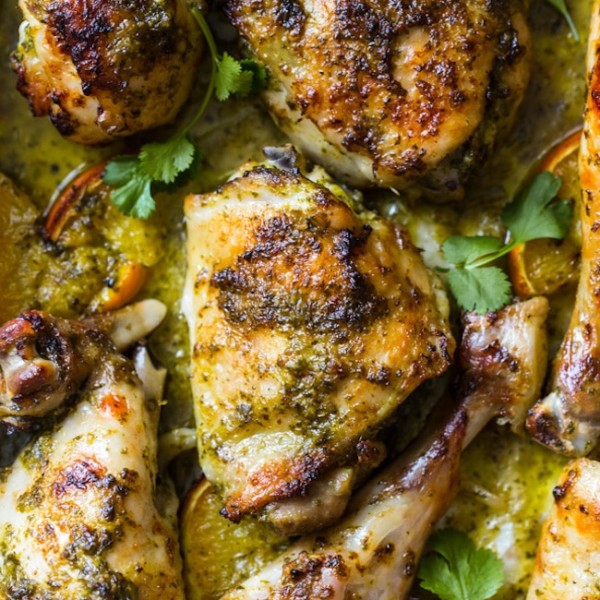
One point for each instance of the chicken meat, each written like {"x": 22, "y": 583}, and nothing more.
{"x": 79, "y": 514}
{"x": 568, "y": 558}
{"x": 568, "y": 418}
{"x": 391, "y": 94}
{"x": 310, "y": 323}
{"x": 103, "y": 69}
{"x": 373, "y": 553}
{"x": 45, "y": 359}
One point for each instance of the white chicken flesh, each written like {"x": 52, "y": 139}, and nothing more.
{"x": 568, "y": 558}
{"x": 103, "y": 69}
{"x": 390, "y": 94}
{"x": 310, "y": 324}
{"x": 568, "y": 418}
{"x": 373, "y": 553}
{"x": 78, "y": 511}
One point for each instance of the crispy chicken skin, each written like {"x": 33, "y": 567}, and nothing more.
{"x": 373, "y": 553}
{"x": 78, "y": 516}
{"x": 102, "y": 69}
{"x": 309, "y": 325}
{"x": 568, "y": 418}
{"x": 568, "y": 559}
{"x": 390, "y": 93}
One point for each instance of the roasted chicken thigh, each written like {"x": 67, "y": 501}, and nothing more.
{"x": 373, "y": 553}
{"x": 310, "y": 324}
{"x": 390, "y": 93}
{"x": 102, "y": 69}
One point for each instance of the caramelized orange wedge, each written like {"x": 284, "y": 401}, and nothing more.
{"x": 81, "y": 216}
{"x": 66, "y": 206}
{"x": 218, "y": 554}
{"x": 546, "y": 266}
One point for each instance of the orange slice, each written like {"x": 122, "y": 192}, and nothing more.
{"x": 218, "y": 554}
{"x": 80, "y": 217}
{"x": 546, "y": 266}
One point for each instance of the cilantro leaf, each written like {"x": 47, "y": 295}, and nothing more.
{"x": 161, "y": 162}
{"x": 134, "y": 198}
{"x": 237, "y": 77}
{"x": 561, "y": 7}
{"x": 164, "y": 161}
{"x": 120, "y": 170}
{"x": 536, "y": 214}
{"x": 483, "y": 290}
{"x": 259, "y": 75}
{"x": 457, "y": 570}
{"x": 460, "y": 249}
{"x": 132, "y": 176}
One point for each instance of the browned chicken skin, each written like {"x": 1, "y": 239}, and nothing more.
{"x": 568, "y": 559}
{"x": 568, "y": 418}
{"x": 390, "y": 93}
{"x": 103, "y": 69}
{"x": 79, "y": 516}
{"x": 373, "y": 552}
{"x": 310, "y": 324}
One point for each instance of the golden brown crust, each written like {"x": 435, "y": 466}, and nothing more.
{"x": 392, "y": 88}
{"x": 102, "y": 69}
{"x": 568, "y": 558}
{"x": 568, "y": 419}
{"x": 309, "y": 325}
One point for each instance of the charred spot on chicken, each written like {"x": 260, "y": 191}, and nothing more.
{"x": 391, "y": 94}
{"x": 106, "y": 69}
{"x": 309, "y": 326}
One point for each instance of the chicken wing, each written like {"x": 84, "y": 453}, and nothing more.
{"x": 310, "y": 323}
{"x": 78, "y": 514}
{"x": 568, "y": 418}
{"x": 568, "y": 559}
{"x": 373, "y": 553}
{"x": 102, "y": 69}
{"x": 390, "y": 93}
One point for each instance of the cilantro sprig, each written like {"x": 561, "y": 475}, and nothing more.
{"x": 535, "y": 213}
{"x": 455, "y": 569}
{"x": 132, "y": 177}
{"x": 561, "y": 7}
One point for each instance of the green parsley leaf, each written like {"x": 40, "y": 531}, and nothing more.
{"x": 164, "y": 161}
{"x": 259, "y": 75}
{"x": 535, "y": 213}
{"x": 482, "y": 290}
{"x": 561, "y": 7}
{"x": 457, "y": 570}
{"x": 132, "y": 176}
{"x": 459, "y": 249}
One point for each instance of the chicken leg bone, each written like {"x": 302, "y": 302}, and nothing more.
{"x": 44, "y": 359}
{"x": 567, "y": 420}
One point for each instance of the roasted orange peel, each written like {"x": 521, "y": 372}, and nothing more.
{"x": 130, "y": 276}
{"x": 545, "y": 266}
{"x": 217, "y": 554}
